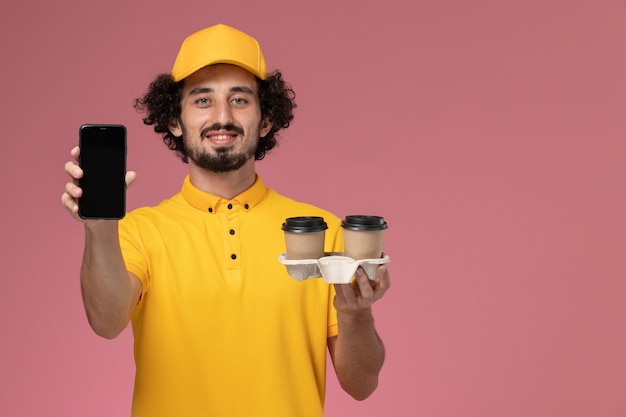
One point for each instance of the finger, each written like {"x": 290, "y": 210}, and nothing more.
{"x": 345, "y": 295}
{"x": 74, "y": 171}
{"x": 73, "y": 190}
{"x": 131, "y": 176}
{"x": 75, "y": 152}
{"x": 365, "y": 286}
{"x": 70, "y": 204}
{"x": 339, "y": 297}
{"x": 382, "y": 282}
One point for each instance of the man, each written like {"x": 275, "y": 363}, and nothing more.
{"x": 220, "y": 328}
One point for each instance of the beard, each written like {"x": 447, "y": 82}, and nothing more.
{"x": 223, "y": 160}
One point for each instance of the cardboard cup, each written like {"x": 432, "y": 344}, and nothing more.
{"x": 363, "y": 236}
{"x": 361, "y": 244}
{"x": 309, "y": 245}
{"x": 304, "y": 237}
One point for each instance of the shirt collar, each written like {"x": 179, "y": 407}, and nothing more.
{"x": 209, "y": 203}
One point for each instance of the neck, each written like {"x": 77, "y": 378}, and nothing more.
{"x": 226, "y": 185}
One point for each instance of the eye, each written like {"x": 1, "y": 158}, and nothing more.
{"x": 239, "y": 101}
{"x": 202, "y": 102}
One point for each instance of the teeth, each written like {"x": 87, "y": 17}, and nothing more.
{"x": 220, "y": 137}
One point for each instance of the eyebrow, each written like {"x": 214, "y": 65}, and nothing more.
{"x": 237, "y": 89}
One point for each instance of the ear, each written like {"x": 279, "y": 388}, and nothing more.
{"x": 175, "y": 128}
{"x": 266, "y": 126}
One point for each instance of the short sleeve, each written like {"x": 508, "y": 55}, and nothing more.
{"x": 133, "y": 251}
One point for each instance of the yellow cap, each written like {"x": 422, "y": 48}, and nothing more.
{"x": 219, "y": 44}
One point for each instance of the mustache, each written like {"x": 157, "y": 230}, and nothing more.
{"x": 218, "y": 126}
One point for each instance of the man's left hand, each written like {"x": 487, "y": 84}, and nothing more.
{"x": 361, "y": 294}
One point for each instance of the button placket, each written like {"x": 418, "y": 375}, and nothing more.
{"x": 233, "y": 244}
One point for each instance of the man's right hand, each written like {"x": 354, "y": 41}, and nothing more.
{"x": 73, "y": 191}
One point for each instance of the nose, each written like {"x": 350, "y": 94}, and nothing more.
{"x": 223, "y": 112}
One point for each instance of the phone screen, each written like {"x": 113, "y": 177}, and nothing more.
{"x": 103, "y": 161}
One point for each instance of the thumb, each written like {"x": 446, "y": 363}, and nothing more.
{"x": 131, "y": 176}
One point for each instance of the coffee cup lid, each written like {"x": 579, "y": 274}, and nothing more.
{"x": 364, "y": 223}
{"x": 304, "y": 224}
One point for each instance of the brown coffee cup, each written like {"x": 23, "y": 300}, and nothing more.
{"x": 363, "y": 236}
{"x": 304, "y": 237}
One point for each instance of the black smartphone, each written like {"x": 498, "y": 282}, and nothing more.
{"x": 103, "y": 161}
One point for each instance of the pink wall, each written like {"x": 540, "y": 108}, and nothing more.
{"x": 489, "y": 133}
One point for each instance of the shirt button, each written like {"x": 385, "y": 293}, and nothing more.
{"x": 230, "y": 206}
{"x": 232, "y": 232}
{"x": 233, "y": 256}
{"x": 210, "y": 209}
{"x": 246, "y": 206}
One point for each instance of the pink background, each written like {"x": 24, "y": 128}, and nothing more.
{"x": 490, "y": 134}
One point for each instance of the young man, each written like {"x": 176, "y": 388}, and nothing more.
{"x": 220, "y": 328}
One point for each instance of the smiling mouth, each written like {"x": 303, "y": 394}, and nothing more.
{"x": 221, "y": 138}
{"x": 221, "y": 135}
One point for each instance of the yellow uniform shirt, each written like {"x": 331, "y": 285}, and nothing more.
{"x": 221, "y": 329}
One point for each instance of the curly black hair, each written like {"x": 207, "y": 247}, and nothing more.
{"x": 161, "y": 103}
